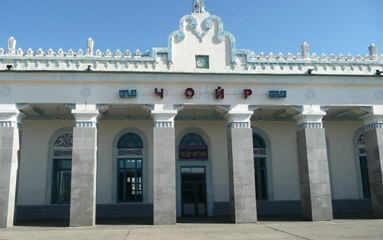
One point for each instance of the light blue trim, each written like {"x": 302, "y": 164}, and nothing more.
{"x": 180, "y": 34}
{"x": 49, "y": 180}
{"x": 309, "y": 125}
{"x": 357, "y": 163}
{"x": 145, "y": 167}
{"x": 221, "y": 37}
{"x": 196, "y": 163}
{"x": 10, "y": 124}
{"x": 269, "y": 168}
{"x": 373, "y": 126}
{"x": 238, "y": 125}
{"x": 163, "y": 124}
{"x": 86, "y": 124}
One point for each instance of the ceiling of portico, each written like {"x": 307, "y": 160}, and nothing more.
{"x": 189, "y": 112}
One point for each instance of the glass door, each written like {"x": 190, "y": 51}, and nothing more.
{"x": 193, "y": 191}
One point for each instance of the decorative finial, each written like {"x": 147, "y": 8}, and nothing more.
{"x": 90, "y": 45}
{"x": 199, "y": 6}
{"x": 373, "y": 51}
{"x": 11, "y": 46}
{"x": 305, "y": 50}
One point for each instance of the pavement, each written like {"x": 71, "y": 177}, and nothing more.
{"x": 274, "y": 229}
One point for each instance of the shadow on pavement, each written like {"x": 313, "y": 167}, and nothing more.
{"x": 185, "y": 220}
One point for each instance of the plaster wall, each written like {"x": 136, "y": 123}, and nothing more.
{"x": 330, "y": 93}
{"x": 35, "y": 177}
{"x": 344, "y": 170}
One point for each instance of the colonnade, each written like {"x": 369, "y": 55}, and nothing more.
{"x": 311, "y": 147}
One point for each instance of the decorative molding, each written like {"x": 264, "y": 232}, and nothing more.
{"x": 294, "y": 110}
{"x": 86, "y": 124}
{"x": 253, "y": 107}
{"x": 102, "y": 107}
{"x": 179, "y": 107}
{"x": 71, "y": 106}
{"x": 362, "y": 110}
{"x": 24, "y": 107}
{"x": 222, "y": 109}
{"x": 239, "y": 125}
{"x": 64, "y": 140}
{"x": 163, "y": 124}
{"x": 148, "y": 107}
{"x": 249, "y": 61}
{"x": 309, "y": 125}
{"x": 373, "y": 126}
{"x": 10, "y": 124}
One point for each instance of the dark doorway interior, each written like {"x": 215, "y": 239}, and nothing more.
{"x": 193, "y": 191}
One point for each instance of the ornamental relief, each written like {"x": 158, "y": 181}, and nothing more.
{"x": 361, "y": 140}
{"x": 64, "y": 140}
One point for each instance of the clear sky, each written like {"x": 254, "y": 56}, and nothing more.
{"x": 329, "y": 26}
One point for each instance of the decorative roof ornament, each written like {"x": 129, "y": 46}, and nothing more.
{"x": 11, "y": 46}
{"x": 199, "y": 6}
{"x": 90, "y": 45}
{"x": 305, "y": 50}
{"x": 373, "y": 52}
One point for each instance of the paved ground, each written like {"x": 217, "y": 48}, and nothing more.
{"x": 338, "y": 229}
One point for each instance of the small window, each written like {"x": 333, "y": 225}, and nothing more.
{"x": 202, "y": 62}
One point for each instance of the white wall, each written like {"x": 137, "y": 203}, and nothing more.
{"x": 343, "y": 167}
{"x": 35, "y": 177}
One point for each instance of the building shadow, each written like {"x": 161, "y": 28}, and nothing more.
{"x": 207, "y": 220}
{"x": 43, "y": 223}
{"x": 124, "y": 221}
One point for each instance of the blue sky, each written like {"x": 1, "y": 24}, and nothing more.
{"x": 329, "y": 26}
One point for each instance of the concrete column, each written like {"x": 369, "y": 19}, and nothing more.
{"x": 164, "y": 166}
{"x": 374, "y": 147}
{"x": 10, "y": 125}
{"x": 84, "y": 166}
{"x": 243, "y": 207}
{"x": 313, "y": 165}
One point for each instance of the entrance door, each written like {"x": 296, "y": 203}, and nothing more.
{"x": 193, "y": 191}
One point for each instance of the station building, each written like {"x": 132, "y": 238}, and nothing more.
{"x": 197, "y": 128}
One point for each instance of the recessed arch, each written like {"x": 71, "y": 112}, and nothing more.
{"x": 132, "y": 145}
{"x": 262, "y": 159}
{"x": 57, "y": 142}
{"x": 197, "y": 133}
{"x": 361, "y": 163}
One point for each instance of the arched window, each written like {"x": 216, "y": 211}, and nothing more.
{"x": 130, "y": 162}
{"x": 62, "y": 167}
{"x": 193, "y": 147}
{"x": 260, "y": 157}
{"x": 363, "y": 165}
{"x": 192, "y": 139}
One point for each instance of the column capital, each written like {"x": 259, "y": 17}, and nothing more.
{"x": 371, "y": 116}
{"x": 163, "y": 116}
{"x": 10, "y": 116}
{"x": 238, "y": 119}
{"x": 238, "y": 116}
{"x": 86, "y": 115}
{"x": 308, "y": 116}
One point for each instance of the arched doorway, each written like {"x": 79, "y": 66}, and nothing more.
{"x": 62, "y": 167}
{"x": 361, "y": 156}
{"x": 130, "y": 168}
{"x": 194, "y": 184}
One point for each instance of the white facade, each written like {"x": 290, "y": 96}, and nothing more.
{"x": 56, "y": 89}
